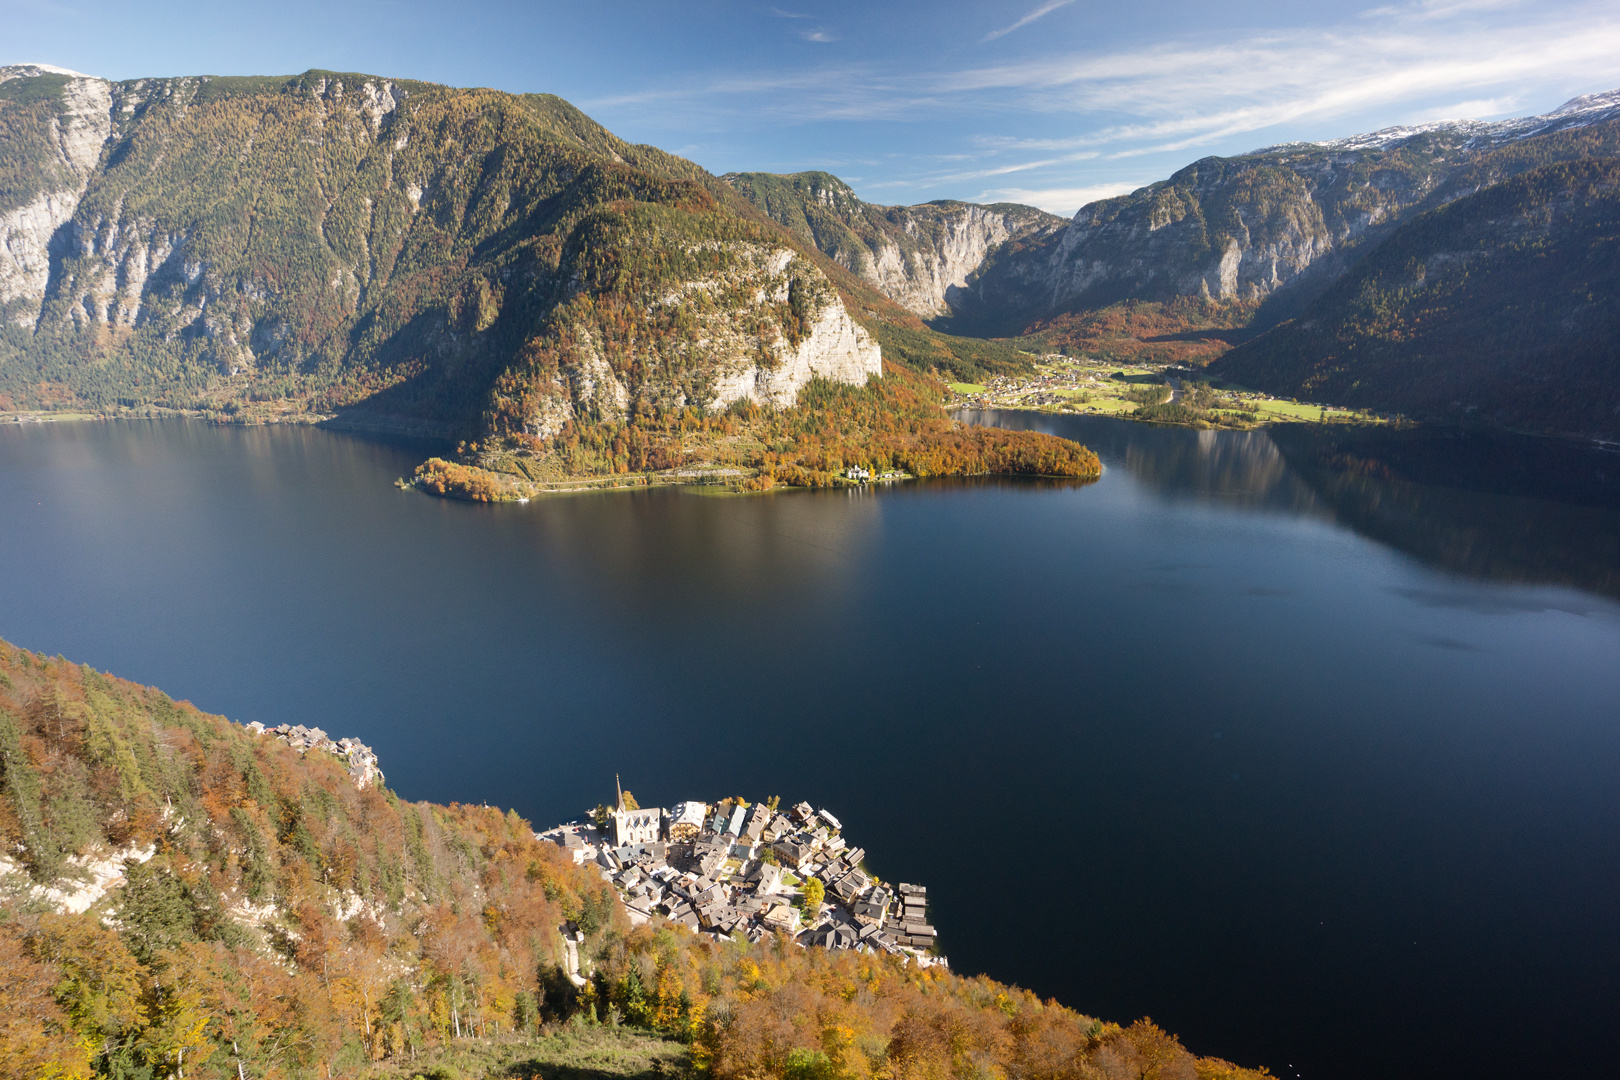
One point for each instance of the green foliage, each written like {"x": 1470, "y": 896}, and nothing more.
{"x": 418, "y": 985}
{"x": 30, "y": 164}
{"x": 961, "y": 359}
{"x": 1499, "y": 306}
{"x": 814, "y": 893}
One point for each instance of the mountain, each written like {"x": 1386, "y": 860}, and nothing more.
{"x": 1501, "y": 305}
{"x": 1273, "y": 226}
{"x": 439, "y": 261}
{"x": 921, "y": 257}
{"x": 339, "y": 236}
{"x": 184, "y": 895}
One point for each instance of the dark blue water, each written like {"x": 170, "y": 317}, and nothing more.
{"x": 1308, "y": 750}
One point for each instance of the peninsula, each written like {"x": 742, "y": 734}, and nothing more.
{"x": 738, "y": 870}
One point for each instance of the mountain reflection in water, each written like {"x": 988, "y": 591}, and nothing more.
{"x": 1491, "y": 506}
{"x": 1172, "y": 743}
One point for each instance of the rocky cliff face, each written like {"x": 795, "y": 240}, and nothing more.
{"x": 57, "y": 141}
{"x": 1246, "y": 228}
{"x": 952, "y": 241}
{"x": 780, "y": 326}
{"x": 335, "y": 241}
{"x": 1500, "y": 305}
{"x": 922, "y": 257}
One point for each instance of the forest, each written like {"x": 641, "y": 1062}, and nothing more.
{"x": 892, "y": 424}
{"x": 270, "y": 919}
{"x": 1499, "y": 307}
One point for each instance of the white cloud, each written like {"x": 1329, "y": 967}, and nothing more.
{"x": 817, "y": 35}
{"x": 1412, "y": 63}
{"x": 1059, "y": 200}
{"x": 1045, "y": 9}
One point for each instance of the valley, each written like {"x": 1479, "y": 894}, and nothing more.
{"x": 1151, "y": 393}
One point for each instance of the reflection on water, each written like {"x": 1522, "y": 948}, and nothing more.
{"x": 1291, "y": 789}
{"x": 1491, "y": 506}
{"x": 672, "y": 545}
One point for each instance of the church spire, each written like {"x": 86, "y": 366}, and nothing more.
{"x": 621, "y": 790}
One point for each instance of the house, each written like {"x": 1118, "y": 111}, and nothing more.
{"x": 768, "y": 878}
{"x": 793, "y": 853}
{"x": 851, "y": 885}
{"x": 781, "y": 825}
{"x": 735, "y": 824}
{"x": 758, "y": 818}
{"x": 783, "y": 918}
{"x": 686, "y": 820}
{"x": 802, "y": 813}
{"x": 637, "y": 826}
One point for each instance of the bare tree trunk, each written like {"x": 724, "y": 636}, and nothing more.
{"x": 240, "y": 1075}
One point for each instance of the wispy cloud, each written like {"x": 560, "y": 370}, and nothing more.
{"x": 780, "y": 14}
{"x": 1183, "y": 94}
{"x": 1060, "y": 117}
{"x": 817, "y": 35}
{"x": 1056, "y": 200}
{"x": 1045, "y": 9}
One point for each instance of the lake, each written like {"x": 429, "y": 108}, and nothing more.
{"x": 1305, "y": 745}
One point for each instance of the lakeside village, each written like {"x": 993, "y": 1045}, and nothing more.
{"x": 738, "y": 870}
{"x": 1092, "y": 386}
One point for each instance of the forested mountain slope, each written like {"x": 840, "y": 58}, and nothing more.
{"x": 419, "y": 258}
{"x": 326, "y": 239}
{"x": 1502, "y": 305}
{"x": 921, "y": 257}
{"x": 1273, "y": 226}
{"x": 259, "y": 915}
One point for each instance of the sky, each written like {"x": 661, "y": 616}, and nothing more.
{"x": 1048, "y": 102}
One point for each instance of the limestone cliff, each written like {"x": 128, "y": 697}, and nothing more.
{"x": 922, "y": 257}
{"x": 405, "y": 252}
{"x": 780, "y": 325}
{"x": 1249, "y": 227}
{"x": 55, "y": 147}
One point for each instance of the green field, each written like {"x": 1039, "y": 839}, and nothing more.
{"x": 966, "y": 387}
{"x": 1293, "y": 410}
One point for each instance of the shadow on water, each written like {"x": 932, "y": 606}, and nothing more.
{"x": 1490, "y": 506}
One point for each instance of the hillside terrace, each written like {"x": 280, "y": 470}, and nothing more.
{"x": 737, "y": 870}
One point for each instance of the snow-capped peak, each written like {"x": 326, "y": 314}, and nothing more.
{"x": 25, "y": 71}
{"x": 1574, "y": 113}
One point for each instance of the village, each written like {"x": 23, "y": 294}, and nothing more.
{"x": 1095, "y": 386}
{"x": 739, "y": 870}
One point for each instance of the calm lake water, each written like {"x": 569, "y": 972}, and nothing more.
{"x": 1309, "y": 749}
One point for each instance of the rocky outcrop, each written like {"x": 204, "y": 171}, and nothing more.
{"x": 922, "y": 257}
{"x": 362, "y": 762}
{"x": 952, "y": 242}
{"x": 833, "y": 347}
{"x": 64, "y": 144}
{"x": 759, "y": 330}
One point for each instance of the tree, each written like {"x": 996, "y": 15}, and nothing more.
{"x": 524, "y": 1013}
{"x": 814, "y": 893}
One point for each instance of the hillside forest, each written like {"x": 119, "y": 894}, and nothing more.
{"x": 270, "y": 919}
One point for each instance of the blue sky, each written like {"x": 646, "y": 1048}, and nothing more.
{"x": 1039, "y": 101}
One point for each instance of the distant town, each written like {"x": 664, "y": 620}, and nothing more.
{"x": 739, "y": 870}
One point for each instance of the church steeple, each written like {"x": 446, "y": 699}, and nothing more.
{"x": 620, "y": 788}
